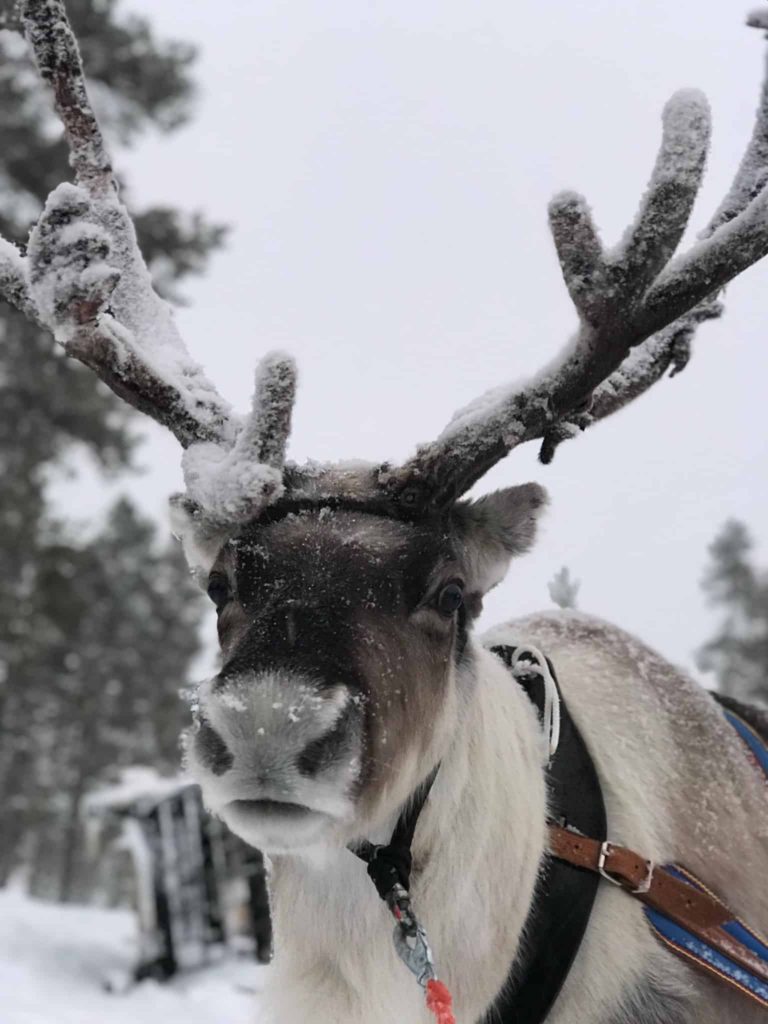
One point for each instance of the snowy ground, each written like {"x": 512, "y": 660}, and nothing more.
{"x": 54, "y": 960}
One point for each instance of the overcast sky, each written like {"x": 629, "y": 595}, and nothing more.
{"x": 385, "y": 168}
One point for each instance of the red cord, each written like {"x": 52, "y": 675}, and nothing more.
{"x": 440, "y": 1003}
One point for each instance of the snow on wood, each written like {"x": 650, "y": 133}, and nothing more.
{"x": 136, "y": 783}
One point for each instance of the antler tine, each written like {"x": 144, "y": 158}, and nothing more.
{"x": 709, "y": 266}
{"x": 595, "y": 279}
{"x": 672, "y": 190}
{"x": 753, "y": 169}
{"x": 670, "y": 348}
{"x": 234, "y": 485}
{"x": 579, "y": 250}
{"x": 646, "y": 364}
{"x": 13, "y": 280}
{"x": 85, "y": 279}
{"x": 264, "y": 438}
{"x": 134, "y": 348}
{"x": 623, "y": 298}
{"x": 54, "y": 46}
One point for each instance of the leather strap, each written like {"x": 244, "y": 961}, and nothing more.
{"x": 391, "y": 865}
{"x": 700, "y": 913}
{"x": 560, "y": 911}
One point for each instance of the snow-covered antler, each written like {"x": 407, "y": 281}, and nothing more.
{"x": 638, "y": 306}
{"x": 84, "y": 279}
{"x": 670, "y": 349}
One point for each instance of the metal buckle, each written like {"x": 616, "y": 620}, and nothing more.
{"x": 411, "y": 942}
{"x": 416, "y": 953}
{"x": 605, "y": 850}
{"x": 641, "y": 889}
{"x": 645, "y": 885}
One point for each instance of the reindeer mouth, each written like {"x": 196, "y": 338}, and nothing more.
{"x": 275, "y": 826}
{"x": 270, "y": 809}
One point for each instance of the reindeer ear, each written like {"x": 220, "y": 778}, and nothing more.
{"x": 201, "y": 538}
{"x": 494, "y": 529}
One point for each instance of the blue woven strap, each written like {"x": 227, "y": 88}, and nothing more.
{"x": 693, "y": 948}
{"x": 755, "y": 744}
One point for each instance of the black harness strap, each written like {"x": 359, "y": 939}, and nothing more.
{"x": 563, "y": 902}
{"x": 560, "y": 911}
{"x": 390, "y": 865}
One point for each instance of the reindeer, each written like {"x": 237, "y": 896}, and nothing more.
{"x": 346, "y": 597}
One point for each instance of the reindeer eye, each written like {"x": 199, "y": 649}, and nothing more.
{"x": 450, "y": 599}
{"x": 219, "y": 590}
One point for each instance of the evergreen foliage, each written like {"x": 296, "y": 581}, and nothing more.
{"x": 738, "y": 653}
{"x": 563, "y": 589}
{"x": 95, "y": 636}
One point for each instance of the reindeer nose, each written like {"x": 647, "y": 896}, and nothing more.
{"x": 268, "y": 730}
{"x": 214, "y": 754}
{"x": 320, "y": 754}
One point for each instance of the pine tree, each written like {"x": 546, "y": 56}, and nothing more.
{"x": 52, "y": 587}
{"x": 563, "y": 589}
{"x": 738, "y": 654}
{"x": 113, "y": 676}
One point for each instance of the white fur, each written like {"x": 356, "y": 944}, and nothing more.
{"x": 335, "y": 962}
{"x": 201, "y": 538}
{"x": 266, "y": 720}
{"x": 677, "y": 787}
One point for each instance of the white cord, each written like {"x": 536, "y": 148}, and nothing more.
{"x": 536, "y": 663}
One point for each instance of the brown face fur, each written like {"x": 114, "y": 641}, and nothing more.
{"x": 349, "y": 599}
{"x": 343, "y": 635}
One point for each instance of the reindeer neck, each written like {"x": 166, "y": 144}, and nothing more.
{"x": 482, "y": 828}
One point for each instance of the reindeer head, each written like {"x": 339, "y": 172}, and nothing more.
{"x": 345, "y": 593}
{"x": 341, "y": 633}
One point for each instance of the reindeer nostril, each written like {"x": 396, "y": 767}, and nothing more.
{"x": 211, "y": 750}
{"x": 320, "y": 754}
